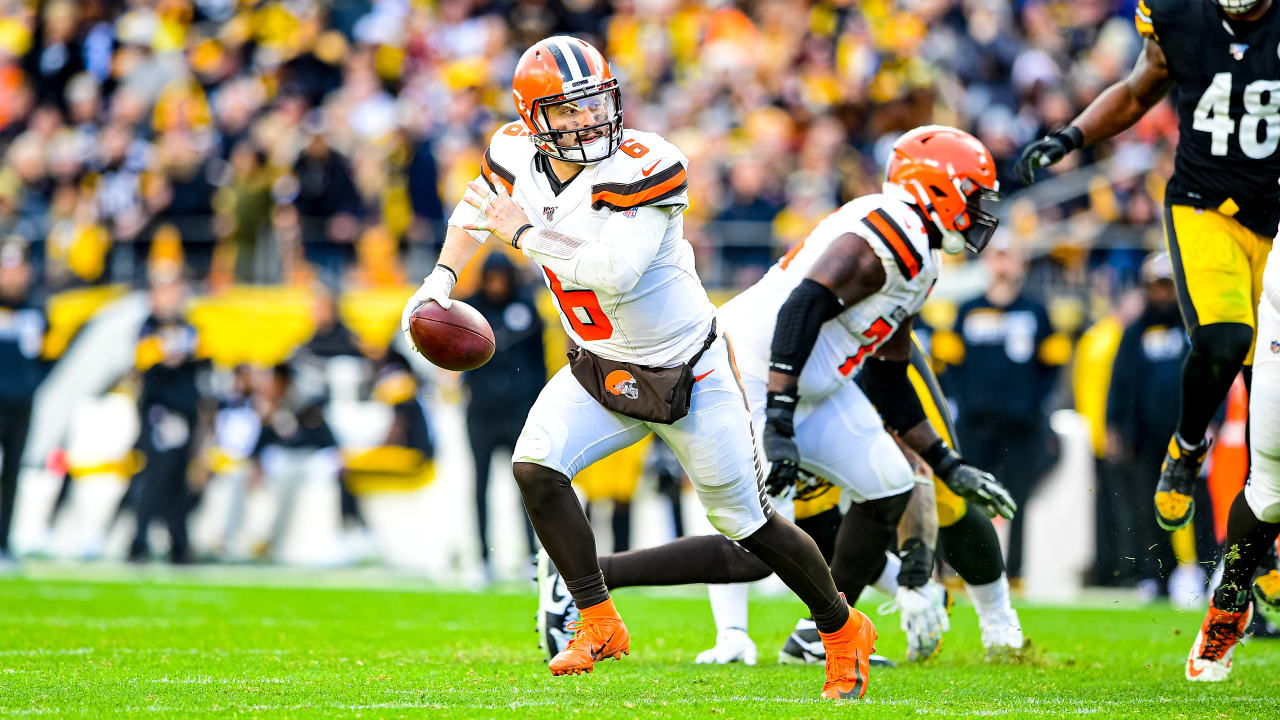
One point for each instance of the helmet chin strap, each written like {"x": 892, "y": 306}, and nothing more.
{"x": 953, "y": 243}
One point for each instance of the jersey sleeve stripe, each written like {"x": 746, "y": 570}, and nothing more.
{"x": 489, "y": 167}
{"x": 617, "y": 196}
{"x": 904, "y": 253}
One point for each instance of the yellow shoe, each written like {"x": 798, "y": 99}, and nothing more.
{"x": 1178, "y": 474}
{"x": 599, "y": 634}
{"x": 1266, "y": 596}
{"x": 848, "y": 657}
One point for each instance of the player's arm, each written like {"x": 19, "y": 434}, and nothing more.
{"x": 459, "y": 247}
{"x": 1113, "y": 112}
{"x": 918, "y": 528}
{"x": 848, "y": 271}
{"x": 613, "y": 264}
{"x": 886, "y": 384}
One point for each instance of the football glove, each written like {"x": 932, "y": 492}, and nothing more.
{"x": 1046, "y": 151}
{"x": 435, "y": 286}
{"x": 976, "y": 486}
{"x": 922, "y": 614}
{"x": 779, "y": 443}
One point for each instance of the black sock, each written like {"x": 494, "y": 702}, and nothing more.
{"x": 1217, "y": 352}
{"x": 1248, "y": 539}
{"x": 559, "y": 521}
{"x": 796, "y": 559}
{"x": 588, "y": 591}
{"x": 972, "y": 548}
{"x": 696, "y": 559}
{"x": 868, "y": 529}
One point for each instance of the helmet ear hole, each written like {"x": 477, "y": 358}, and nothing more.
{"x": 937, "y": 191}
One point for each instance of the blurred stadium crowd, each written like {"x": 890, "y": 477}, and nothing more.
{"x": 294, "y": 160}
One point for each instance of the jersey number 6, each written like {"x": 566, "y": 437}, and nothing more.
{"x": 596, "y": 326}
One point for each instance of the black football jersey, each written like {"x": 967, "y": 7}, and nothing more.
{"x": 1227, "y": 94}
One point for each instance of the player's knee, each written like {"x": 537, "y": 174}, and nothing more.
{"x": 735, "y": 522}
{"x": 536, "y": 481}
{"x": 883, "y": 513}
{"x": 1221, "y": 347}
{"x": 1263, "y": 491}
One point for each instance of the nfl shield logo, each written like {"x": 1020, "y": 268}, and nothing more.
{"x": 548, "y": 212}
{"x": 629, "y": 212}
{"x": 1275, "y": 347}
{"x": 1237, "y": 50}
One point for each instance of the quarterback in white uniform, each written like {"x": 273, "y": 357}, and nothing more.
{"x": 599, "y": 209}
{"x": 843, "y": 301}
{"x": 1254, "y": 520}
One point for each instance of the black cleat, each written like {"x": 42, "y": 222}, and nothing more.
{"x": 1174, "y": 499}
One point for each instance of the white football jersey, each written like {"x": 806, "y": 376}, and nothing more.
{"x": 1271, "y": 279}
{"x": 897, "y": 236}
{"x": 665, "y": 318}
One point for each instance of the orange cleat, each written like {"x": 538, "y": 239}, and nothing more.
{"x": 599, "y": 634}
{"x": 1210, "y": 657}
{"x": 848, "y": 657}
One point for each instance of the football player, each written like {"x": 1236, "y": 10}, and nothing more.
{"x": 850, "y": 290}
{"x": 599, "y": 208}
{"x": 1222, "y": 206}
{"x": 1254, "y": 520}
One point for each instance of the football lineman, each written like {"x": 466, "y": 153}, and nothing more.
{"x": 599, "y": 208}
{"x": 844, "y": 300}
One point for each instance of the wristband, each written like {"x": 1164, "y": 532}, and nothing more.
{"x": 917, "y": 563}
{"x": 941, "y": 458}
{"x": 515, "y": 239}
{"x": 780, "y": 410}
{"x": 1072, "y": 137}
{"x": 452, "y": 272}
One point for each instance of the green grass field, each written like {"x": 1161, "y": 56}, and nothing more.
{"x": 280, "y": 645}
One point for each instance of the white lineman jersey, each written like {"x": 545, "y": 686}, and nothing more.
{"x": 897, "y": 236}
{"x": 661, "y": 321}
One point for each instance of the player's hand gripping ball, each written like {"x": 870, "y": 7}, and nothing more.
{"x": 457, "y": 338}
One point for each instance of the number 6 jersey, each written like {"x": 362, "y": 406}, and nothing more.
{"x": 1227, "y": 93}
{"x": 662, "y": 320}
{"x": 897, "y": 236}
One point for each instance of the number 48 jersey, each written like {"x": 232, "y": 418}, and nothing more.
{"x": 664, "y": 319}
{"x": 1227, "y": 94}
{"x": 897, "y": 236}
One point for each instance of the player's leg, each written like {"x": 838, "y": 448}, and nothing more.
{"x": 567, "y": 430}
{"x": 967, "y": 539}
{"x": 1263, "y": 490}
{"x": 1214, "y": 277}
{"x": 716, "y": 447}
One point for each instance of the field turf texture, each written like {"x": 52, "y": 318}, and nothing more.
{"x": 92, "y": 643}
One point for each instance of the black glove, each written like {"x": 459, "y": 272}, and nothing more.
{"x": 779, "y": 443}
{"x": 917, "y": 564}
{"x": 974, "y": 485}
{"x": 1046, "y": 151}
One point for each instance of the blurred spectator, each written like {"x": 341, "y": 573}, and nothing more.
{"x": 744, "y": 223}
{"x": 502, "y": 390}
{"x": 22, "y": 330}
{"x": 295, "y": 449}
{"x": 664, "y": 466}
{"x": 1142, "y": 411}
{"x": 1006, "y": 343}
{"x": 169, "y": 357}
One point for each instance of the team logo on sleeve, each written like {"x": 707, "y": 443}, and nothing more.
{"x": 620, "y": 382}
{"x": 549, "y": 212}
{"x": 1275, "y": 347}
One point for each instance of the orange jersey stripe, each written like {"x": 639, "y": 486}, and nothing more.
{"x": 487, "y": 171}
{"x": 639, "y": 198}
{"x": 905, "y": 255}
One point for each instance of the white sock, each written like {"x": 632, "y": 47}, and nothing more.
{"x": 992, "y": 597}
{"x": 729, "y": 605}
{"x": 887, "y": 583}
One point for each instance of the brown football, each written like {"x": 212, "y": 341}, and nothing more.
{"x": 455, "y": 339}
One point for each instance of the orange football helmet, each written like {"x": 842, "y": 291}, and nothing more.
{"x": 569, "y": 100}
{"x": 951, "y": 176}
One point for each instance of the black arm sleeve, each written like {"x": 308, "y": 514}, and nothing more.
{"x": 886, "y": 385}
{"x": 799, "y": 320}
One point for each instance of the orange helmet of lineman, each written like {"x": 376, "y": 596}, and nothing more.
{"x": 569, "y": 100}
{"x": 951, "y": 176}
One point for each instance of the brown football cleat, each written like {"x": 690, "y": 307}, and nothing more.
{"x": 848, "y": 657}
{"x": 599, "y": 634}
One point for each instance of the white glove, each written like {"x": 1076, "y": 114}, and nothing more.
{"x": 923, "y": 613}
{"x": 732, "y": 645}
{"x": 435, "y": 286}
